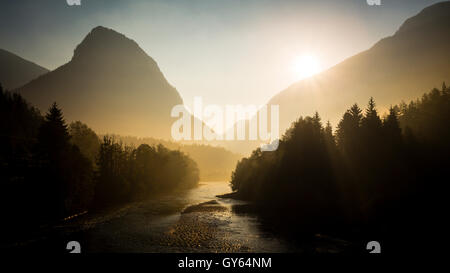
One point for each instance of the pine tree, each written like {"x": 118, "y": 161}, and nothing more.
{"x": 371, "y": 110}
{"x": 348, "y": 130}
{"x": 371, "y": 121}
{"x": 328, "y": 129}
{"x": 329, "y": 137}
{"x": 53, "y": 133}
{"x": 391, "y": 127}
{"x": 317, "y": 121}
{"x": 316, "y": 117}
{"x": 356, "y": 115}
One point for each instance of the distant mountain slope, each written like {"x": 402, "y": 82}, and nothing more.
{"x": 110, "y": 84}
{"x": 16, "y": 71}
{"x": 400, "y": 67}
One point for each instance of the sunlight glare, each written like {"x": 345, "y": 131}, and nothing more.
{"x": 305, "y": 66}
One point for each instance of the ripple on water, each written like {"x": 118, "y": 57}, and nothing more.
{"x": 194, "y": 221}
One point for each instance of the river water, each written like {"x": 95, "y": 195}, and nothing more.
{"x": 191, "y": 221}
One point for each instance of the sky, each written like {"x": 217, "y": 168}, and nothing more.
{"x": 226, "y": 51}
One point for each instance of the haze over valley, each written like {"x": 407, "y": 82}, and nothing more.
{"x": 321, "y": 126}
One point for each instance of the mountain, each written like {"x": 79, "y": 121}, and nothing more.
{"x": 400, "y": 67}
{"x": 16, "y": 71}
{"x": 111, "y": 84}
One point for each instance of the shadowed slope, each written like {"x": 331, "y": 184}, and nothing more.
{"x": 400, "y": 67}
{"x": 111, "y": 84}
{"x": 16, "y": 71}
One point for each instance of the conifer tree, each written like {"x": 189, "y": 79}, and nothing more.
{"x": 356, "y": 114}
{"x": 392, "y": 130}
{"x": 391, "y": 124}
{"x": 371, "y": 122}
{"x": 348, "y": 132}
{"x": 53, "y": 134}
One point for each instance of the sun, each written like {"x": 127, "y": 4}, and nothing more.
{"x": 305, "y": 66}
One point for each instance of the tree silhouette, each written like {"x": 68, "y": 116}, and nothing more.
{"x": 348, "y": 133}
{"x": 85, "y": 139}
{"x": 47, "y": 168}
{"x": 370, "y": 181}
{"x": 371, "y": 122}
{"x": 126, "y": 173}
{"x": 392, "y": 130}
{"x": 53, "y": 134}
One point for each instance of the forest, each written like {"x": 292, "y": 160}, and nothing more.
{"x": 50, "y": 170}
{"x": 373, "y": 177}
{"x": 214, "y": 162}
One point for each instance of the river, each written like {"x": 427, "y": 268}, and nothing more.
{"x": 191, "y": 221}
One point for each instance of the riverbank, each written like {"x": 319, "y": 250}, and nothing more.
{"x": 285, "y": 223}
{"x": 191, "y": 221}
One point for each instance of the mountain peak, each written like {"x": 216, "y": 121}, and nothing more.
{"x": 106, "y": 43}
{"x": 101, "y": 28}
{"x": 111, "y": 84}
{"x": 101, "y": 31}
{"x": 429, "y": 18}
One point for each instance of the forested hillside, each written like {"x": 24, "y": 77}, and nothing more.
{"x": 50, "y": 170}
{"x": 377, "y": 176}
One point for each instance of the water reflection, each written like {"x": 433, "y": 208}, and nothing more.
{"x": 159, "y": 225}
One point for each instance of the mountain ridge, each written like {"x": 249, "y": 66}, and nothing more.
{"x": 396, "y": 68}
{"x": 111, "y": 84}
{"x": 16, "y": 71}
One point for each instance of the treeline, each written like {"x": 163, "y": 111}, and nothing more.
{"x": 374, "y": 178}
{"x": 215, "y": 163}
{"x": 126, "y": 173}
{"x": 50, "y": 170}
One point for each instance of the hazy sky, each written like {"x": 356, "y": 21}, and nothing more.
{"x": 227, "y": 51}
